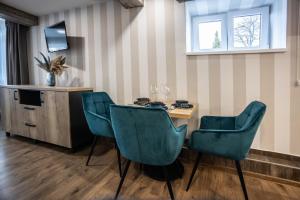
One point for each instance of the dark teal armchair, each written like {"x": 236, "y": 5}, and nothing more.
{"x": 97, "y": 113}
{"x": 228, "y": 137}
{"x": 147, "y": 136}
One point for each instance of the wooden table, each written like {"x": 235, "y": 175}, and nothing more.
{"x": 182, "y": 116}
{"x": 180, "y": 113}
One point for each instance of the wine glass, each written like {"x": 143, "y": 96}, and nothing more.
{"x": 165, "y": 90}
{"x": 154, "y": 89}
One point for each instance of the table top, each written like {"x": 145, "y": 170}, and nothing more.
{"x": 179, "y": 113}
{"x": 182, "y": 113}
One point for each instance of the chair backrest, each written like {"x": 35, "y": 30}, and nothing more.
{"x": 249, "y": 121}
{"x": 97, "y": 102}
{"x": 145, "y": 135}
{"x": 252, "y": 115}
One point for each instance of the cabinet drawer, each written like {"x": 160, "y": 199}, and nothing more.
{"x": 32, "y": 130}
{"x": 30, "y": 114}
{"x": 35, "y": 121}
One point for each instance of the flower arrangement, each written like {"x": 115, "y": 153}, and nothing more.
{"x": 55, "y": 66}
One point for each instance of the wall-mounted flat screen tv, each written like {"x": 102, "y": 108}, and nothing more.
{"x": 56, "y": 37}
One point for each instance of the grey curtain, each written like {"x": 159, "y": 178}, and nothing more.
{"x": 16, "y": 56}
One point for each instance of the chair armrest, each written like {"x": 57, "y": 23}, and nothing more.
{"x": 214, "y": 122}
{"x": 182, "y": 129}
{"x": 175, "y": 141}
{"x": 181, "y": 134}
{"x": 99, "y": 116}
{"x": 99, "y": 125}
{"x": 226, "y": 143}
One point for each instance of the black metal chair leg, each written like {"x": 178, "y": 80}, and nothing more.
{"x": 240, "y": 173}
{"x": 122, "y": 179}
{"x": 168, "y": 182}
{"x": 119, "y": 161}
{"x": 141, "y": 167}
{"x": 92, "y": 150}
{"x": 119, "y": 158}
{"x": 194, "y": 171}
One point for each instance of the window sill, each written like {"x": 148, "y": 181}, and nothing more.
{"x": 254, "y": 51}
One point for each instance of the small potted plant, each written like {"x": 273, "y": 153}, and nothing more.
{"x": 54, "y": 67}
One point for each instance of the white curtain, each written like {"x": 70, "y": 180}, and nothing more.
{"x": 2, "y": 52}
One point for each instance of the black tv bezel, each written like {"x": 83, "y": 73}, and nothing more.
{"x": 52, "y": 26}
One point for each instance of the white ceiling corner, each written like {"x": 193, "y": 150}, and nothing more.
{"x": 44, "y": 7}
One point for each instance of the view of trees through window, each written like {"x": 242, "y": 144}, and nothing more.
{"x": 210, "y": 35}
{"x": 247, "y": 31}
{"x": 217, "y": 41}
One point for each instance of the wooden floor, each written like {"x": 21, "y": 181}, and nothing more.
{"x": 39, "y": 171}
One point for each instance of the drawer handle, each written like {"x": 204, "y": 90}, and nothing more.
{"x": 15, "y": 93}
{"x": 29, "y": 108}
{"x": 42, "y": 97}
{"x": 29, "y": 124}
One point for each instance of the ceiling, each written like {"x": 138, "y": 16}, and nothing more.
{"x": 43, "y": 7}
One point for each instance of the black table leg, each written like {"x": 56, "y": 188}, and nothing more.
{"x": 175, "y": 171}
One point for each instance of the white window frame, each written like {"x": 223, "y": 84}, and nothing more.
{"x": 264, "y": 29}
{"x": 196, "y": 20}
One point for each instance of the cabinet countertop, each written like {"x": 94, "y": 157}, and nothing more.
{"x": 47, "y": 88}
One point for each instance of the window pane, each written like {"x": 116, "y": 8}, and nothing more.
{"x": 246, "y": 31}
{"x": 2, "y": 52}
{"x": 210, "y": 35}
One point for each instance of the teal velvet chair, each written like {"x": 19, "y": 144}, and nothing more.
{"x": 147, "y": 136}
{"x": 97, "y": 113}
{"x": 228, "y": 137}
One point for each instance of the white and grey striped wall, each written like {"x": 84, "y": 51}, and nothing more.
{"x": 124, "y": 51}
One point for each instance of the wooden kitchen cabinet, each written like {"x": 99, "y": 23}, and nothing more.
{"x": 17, "y": 115}
{"x": 49, "y": 114}
{"x": 4, "y": 110}
{"x": 57, "y": 112}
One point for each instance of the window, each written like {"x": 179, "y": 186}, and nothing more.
{"x": 213, "y": 26}
{"x": 249, "y": 29}
{"x": 2, "y": 52}
{"x": 209, "y": 33}
{"x": 246, "y": 31}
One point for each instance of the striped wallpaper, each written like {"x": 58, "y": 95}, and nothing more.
{"x": 124, "y": 51}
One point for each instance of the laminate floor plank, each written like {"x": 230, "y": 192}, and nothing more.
{"x": 31, "y": 171}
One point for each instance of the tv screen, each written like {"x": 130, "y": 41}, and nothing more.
{"x": 56, "y": 37}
